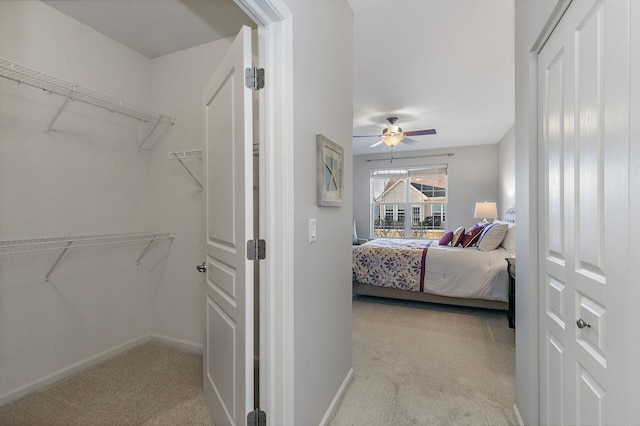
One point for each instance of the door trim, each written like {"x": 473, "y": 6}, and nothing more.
{"x": 276, "y": 187}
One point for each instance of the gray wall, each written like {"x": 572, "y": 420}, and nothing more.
{"x": 507, "y": 171}
{"x": 530, "y": 19}
{"x": 473, "y": 177}
{"x": 322, "y": 90}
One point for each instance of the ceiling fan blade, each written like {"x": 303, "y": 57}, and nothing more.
{"x": 421, "y": 132}
{"x": 367, "y": 136}
{"x": 376, "y": 144}
{"x": 409, "y": 141}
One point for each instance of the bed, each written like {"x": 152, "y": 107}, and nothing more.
{"x": 423, "y": 270}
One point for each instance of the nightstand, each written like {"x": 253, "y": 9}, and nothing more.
{"x": 511, "y": 268}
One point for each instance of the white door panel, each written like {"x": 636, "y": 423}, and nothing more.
{"x": 228, "y": 351}
{"x": 583, "y": 138}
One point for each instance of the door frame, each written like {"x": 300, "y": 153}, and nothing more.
{"x": 275, "y": 55}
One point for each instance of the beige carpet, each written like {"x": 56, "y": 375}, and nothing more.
{"x": 414, "y": 364}
{"x": 424, "y": 364}
{"x": 151, "y": 384}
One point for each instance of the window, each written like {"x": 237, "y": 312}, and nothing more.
{"x": 409, "y": 203}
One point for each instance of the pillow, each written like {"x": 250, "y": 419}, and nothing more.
{"x": 509, "y": 242}
{"x": 458, "y": 236}
{"x": 471, "y": 237}
{"x": 355, "y": 234}
{"x": 446, "y": 238}
{"x": 492, "y": 236}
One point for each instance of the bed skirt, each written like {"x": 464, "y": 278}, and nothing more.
{"x": 394, "y": 293}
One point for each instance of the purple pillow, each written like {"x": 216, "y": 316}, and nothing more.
{"x": 446, "y": 238}
{"x": 471, "y": 237}
{"x": 458, "y": 236}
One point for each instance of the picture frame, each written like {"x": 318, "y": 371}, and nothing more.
{"x": 330, "y": 172}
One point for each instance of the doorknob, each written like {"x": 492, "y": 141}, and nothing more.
{"x": 202, "y": 268}
{"x": 581, "y": 324}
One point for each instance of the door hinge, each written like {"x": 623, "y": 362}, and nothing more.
{"x": 256, "y": 418}
{"x": 254, "y": 78}
{"x": 256, "y": 249}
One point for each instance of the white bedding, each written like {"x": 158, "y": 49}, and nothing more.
{"x": 467, "y": 272}
{"x": 446, "y": 271}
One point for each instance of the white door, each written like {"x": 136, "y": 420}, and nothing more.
{"x": 583, "y": 110}
{"x": 228, "y": 340}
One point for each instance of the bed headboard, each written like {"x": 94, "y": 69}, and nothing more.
{"x": 510, "y": 215}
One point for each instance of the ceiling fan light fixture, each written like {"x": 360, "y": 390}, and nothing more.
{"x": 392, "y": 135}
{"x": 392, "y": 139}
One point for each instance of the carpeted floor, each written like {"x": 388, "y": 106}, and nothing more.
{"x": 424, "y": 364}
{"x": 414, "y": 364}
{"x": 151, "y": 384}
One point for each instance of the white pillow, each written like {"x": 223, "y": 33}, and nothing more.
{"x": 354, "y": 237}
{"x": 509, "y": 242}
{"x": 492, "y": 236}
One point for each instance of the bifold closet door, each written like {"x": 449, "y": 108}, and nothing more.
{"x": 584, "y": 274}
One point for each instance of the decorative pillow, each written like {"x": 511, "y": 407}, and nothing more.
{"x": 458, "y": 236}
{"x": 472, "y": 236}
{"x": 446, "y": 238}
{"x": 492, "y": 236}
{"x": 509, "y": 242}
{"x": 485, "y": 230}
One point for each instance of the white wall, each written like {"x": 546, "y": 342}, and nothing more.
{"x": 322, "y": 90}
{"x": 507, "y": 171}
{"x": 472, "y": 177}
{"x": 529, "y": 21}
{"x": 177, "y": 81}
{"x": 87, "y": 178}
{"x": 93, "y": 181}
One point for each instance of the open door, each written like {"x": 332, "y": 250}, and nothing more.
{"x": 228, "y": 341}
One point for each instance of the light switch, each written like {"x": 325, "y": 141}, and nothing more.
{"x": 312, "y": 230}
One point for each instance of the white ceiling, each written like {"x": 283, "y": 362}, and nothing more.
{"x": 443, "y": 64}
{"x": 158, "y": 27}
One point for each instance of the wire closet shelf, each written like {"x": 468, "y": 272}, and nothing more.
{"x": 66, "y": 243}
{"x": 159, "y": 124}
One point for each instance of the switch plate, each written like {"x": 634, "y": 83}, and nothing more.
{"x": 312, "y": 230}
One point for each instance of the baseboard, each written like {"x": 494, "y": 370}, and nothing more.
{"x": 177, "y": 343}
{"x": 516, "y": 412}
{"x": 68, "y": 371}
{"x": 331, "y": 411}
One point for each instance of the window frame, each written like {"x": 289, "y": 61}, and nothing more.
{"x": 403, "y": 223}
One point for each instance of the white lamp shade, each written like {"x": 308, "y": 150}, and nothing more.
{"x": 485, "y": 211}
{"x": 392, "y": 140}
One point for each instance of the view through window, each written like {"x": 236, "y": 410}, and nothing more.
{"x": 409, "y": 203}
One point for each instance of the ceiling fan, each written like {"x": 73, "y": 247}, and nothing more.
{"x": 392, "y": 135}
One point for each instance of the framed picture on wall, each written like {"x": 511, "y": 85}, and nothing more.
{"x": 330, "y": 172}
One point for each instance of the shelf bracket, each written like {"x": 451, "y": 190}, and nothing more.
{"x": 62, "y": 107}
{"x": 55, "y": 264}
{"x": 153, "y": 129}
{"x": 146, "y": 249}
{"x": 187, "y": 154}
{"x": 190, "y": 174}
